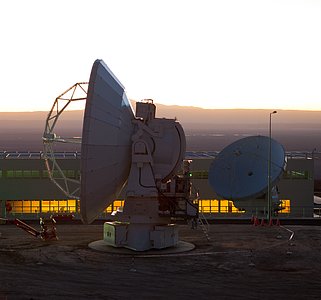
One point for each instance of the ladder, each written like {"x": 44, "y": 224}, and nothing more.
{"x": 205, "y": 226}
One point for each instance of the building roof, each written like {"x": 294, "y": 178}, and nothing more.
{"x": 77, "y": 155}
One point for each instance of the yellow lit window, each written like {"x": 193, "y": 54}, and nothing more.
{"x": 227, "y": 206}
{"x": 54, "y": 206}
{"x": 115, "y": 205}
{"x": 17, "y": 206}
{"x": 45, "y": 206}
{"x": 62, "y": 206}
{"x": 72, "y": 205}
{"x": 109, "y": 209}
{"x": 286, "y": 207}
{"x": 35, "y": 206}
{"x": 224, "y": 206}
{"x": 208, "y": 206}
{"x": 205, "y": 206}
{"x": 118, "y": 203}
{"x": 26, "y": 206}
{"x": 214, "y": 206}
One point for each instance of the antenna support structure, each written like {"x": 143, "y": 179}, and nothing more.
{"x": 127, "y": 153}
{"x": 69, "y": 186}
{"x": 154, "y": 192}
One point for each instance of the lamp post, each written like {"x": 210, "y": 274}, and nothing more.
{"x": 269, "y": 167}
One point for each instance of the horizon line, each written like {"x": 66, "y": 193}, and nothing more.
{"x": 182, "y": 106}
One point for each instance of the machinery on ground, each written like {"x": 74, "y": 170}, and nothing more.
{"x": 45, "y": 233}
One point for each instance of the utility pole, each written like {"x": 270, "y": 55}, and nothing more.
{"x": 269, "y": 167}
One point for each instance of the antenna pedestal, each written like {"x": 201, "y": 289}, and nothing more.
{"x": 142, "y": 150}
{"x": 140, "y": 236}
{"x": 139, "y": 226}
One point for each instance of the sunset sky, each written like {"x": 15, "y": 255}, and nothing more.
{"x": 211, "y": 54}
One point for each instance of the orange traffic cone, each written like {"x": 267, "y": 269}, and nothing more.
{"x": 256, "y": 221}
{"x": 270, "y": 222}
{"x": 277, "y": 223}
{"x": 262, "y": 222}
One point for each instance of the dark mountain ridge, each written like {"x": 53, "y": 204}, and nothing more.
{"x": 205, "y": 129}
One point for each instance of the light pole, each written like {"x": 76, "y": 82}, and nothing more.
{"x": 269, "y": 167}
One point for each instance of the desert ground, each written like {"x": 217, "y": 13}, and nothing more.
{"x": 239, "y": 261}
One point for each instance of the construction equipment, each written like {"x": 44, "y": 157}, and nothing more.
{"x": 44, "y": 233}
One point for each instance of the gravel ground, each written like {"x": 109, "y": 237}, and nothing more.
{"x": 239, "y": 261}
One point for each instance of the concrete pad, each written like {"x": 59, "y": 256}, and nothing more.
{"x": 179, "y": 248}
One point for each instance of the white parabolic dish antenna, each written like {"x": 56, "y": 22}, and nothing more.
{"x": 106, "y": 142}
{"x": 119, "y": 148}
{"x": 240, "y": 171}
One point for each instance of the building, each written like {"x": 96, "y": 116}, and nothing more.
{"x": 27, "y": 192}
{"x": 296, "y": 187}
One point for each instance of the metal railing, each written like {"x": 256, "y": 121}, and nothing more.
{"x": 188, "y": 154}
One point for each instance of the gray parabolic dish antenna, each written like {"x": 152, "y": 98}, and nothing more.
{"x": 240, "y": 171}
{"x": 106, "y": 142}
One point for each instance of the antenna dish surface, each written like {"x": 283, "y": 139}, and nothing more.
{"x": 106, "y": 142}
{"x": 240, "y": 171}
